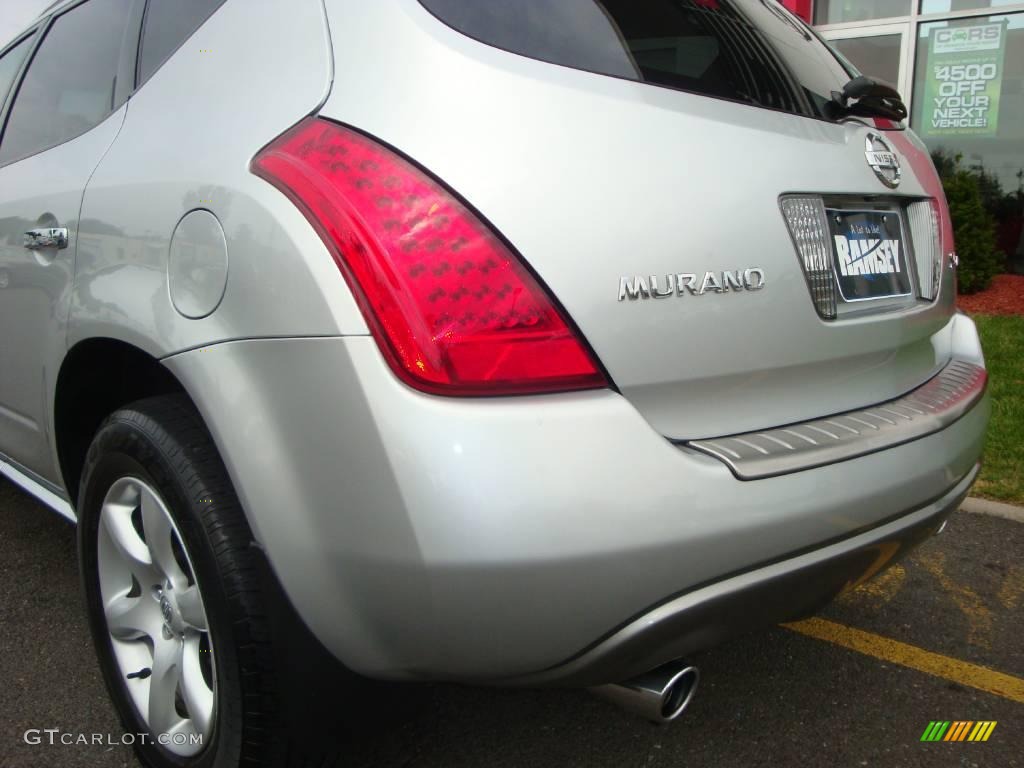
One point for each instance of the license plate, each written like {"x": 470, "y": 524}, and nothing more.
{"x": 870, "y": 259}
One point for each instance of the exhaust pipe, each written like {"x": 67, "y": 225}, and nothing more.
{"x": 660, "y": 695}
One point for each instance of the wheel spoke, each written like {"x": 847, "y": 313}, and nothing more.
{"x": 190, "y": 745}
{"x": 131, "y": 618}
{"x": 163, "y": 685}
{"x": 171, "y": 675}
{"x": 190, "y": 603}
{"x": 117, "y": 522}
{"x": 194, "y": 690}
{"x": 159, "y": 538}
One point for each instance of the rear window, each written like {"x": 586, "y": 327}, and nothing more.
{"x": 752, "y": 51}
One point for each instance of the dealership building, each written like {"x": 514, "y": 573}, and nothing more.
{"x": 960, "y": 67}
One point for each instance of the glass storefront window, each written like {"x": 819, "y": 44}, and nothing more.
{"x": 839, "y": 11}
{"x": 946, "y": 6}
{"x": 969, "y": 102}
{"x": 877, "y": 56}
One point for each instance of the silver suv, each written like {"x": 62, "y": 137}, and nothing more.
{"x": 518, "y": 342}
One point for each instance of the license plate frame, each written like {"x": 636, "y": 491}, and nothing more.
{"x": 869, "y": 254}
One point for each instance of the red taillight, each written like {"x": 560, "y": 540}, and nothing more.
{"x": 454, "y": 311}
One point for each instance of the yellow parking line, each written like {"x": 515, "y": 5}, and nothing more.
{"x": 979, "y": 617}
{"x": 895, "y": 652}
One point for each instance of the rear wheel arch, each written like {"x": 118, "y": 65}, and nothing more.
{"x": 276, "y": 673}
{"x": 96, "y": 377}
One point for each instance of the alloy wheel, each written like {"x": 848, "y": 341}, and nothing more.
{"x": 154, "y": 612}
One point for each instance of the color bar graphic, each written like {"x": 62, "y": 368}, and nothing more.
{"x": 982, "y": 730}
{"x": 958, "y": 730}
{"x": 935, "y": 730}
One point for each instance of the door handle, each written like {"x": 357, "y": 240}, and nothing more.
{"x": 46, "y": 237}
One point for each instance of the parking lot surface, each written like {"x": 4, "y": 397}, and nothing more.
{"x": 938, "y": 637}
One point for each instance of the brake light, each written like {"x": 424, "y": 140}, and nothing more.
{"x": 453, "y": 309}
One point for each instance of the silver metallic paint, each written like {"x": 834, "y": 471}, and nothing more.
{"x": 593, "y": 177}
{"x": 197, "y": 265}
{"x": 250, "y": 88}
{"x": 885, "y": 539}
{"x": 398, "y": 522}
{"x": 403, "y": 503}
{"x": 42, "y": 190}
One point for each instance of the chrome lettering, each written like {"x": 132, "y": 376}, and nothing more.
{"x": 635, "y": 290}
{"x": 686, "y": 280}
{"x": 750, "y": 282}
{"x": 732, "y": 281}
{"x": 683, "y": 283}
{"x": 710, "y": 281}
{"x": 657, "y": 292}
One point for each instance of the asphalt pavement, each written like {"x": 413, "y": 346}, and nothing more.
{"x": 780, "y": 698}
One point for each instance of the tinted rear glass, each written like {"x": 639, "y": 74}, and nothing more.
{"x": 169, "y": 23}
{"x": 10, "y": 63}
{"x": 751, "y": 51}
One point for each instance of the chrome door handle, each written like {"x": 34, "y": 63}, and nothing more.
{"x": 46, "y": 237}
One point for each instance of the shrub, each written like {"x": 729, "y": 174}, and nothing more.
{"x": 973, "y": 226}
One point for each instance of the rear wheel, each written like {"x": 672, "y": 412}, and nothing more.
{"x": 156, "y": 620}
{"x": 183, "y": 614}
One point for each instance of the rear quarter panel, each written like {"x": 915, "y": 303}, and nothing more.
{"x": 251, "y": 71}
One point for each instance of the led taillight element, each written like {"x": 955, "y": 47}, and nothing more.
{"x": 808, "y": 226}
{"x": 454, "y": 311}
{"x": 926, "y": 233}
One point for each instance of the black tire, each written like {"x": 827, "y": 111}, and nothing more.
{"x": 162, "y": 442}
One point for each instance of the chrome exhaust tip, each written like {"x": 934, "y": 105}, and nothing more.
{"x": 661, "y": 695}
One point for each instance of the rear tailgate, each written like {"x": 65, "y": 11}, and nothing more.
{"x": 598, "y": 181}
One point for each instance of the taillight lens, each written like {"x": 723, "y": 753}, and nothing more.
{"x": 947, "y": 245}
{"x": 454, "y": 311}
{"x": 805, "y": 217}
{"x": 925, "y": 230}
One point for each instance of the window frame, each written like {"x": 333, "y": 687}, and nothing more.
{"x": 137, "y": 74}
{"x": 127, "y": 57}
{"x": 25, "y": 37}
{"x": 32, "y": 34}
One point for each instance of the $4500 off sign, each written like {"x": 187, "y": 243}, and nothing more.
{"x": 963, "y": 80}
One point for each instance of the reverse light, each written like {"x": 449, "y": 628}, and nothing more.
{"x": 926, "y": 231}
{"x": 808, "y": 226}
{"x": 916, "y": 154}
{"x": 453, "y": 309}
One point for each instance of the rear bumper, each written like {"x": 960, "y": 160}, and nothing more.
{"x": 782, "y": 591}
{"x": 494, "y": 540}
{"x": 930, "y": 408}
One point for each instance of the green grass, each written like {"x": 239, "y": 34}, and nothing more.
{"x": 1002, "y": 475}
